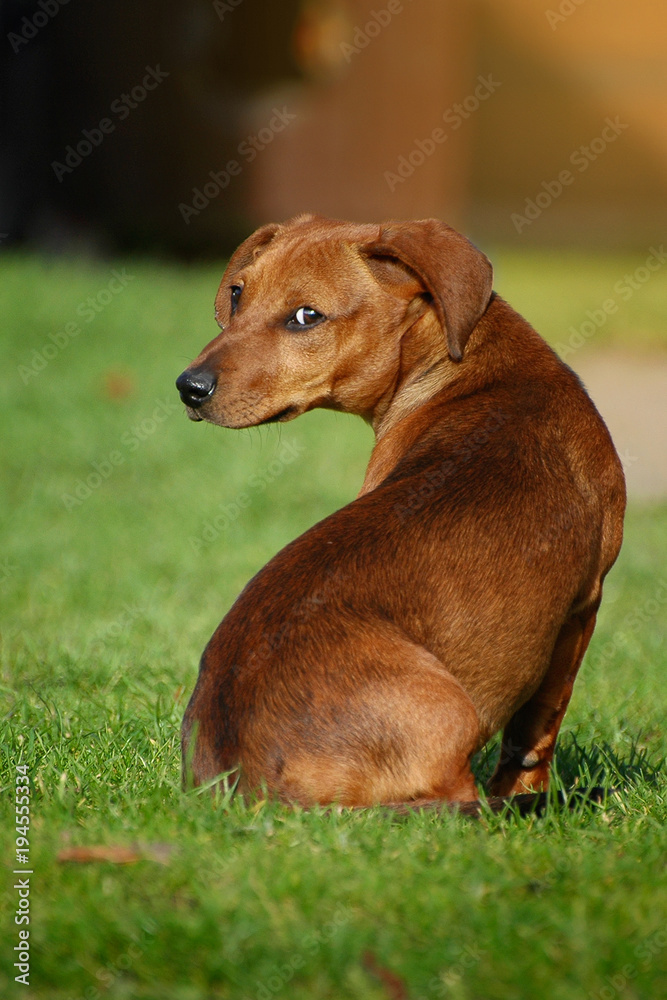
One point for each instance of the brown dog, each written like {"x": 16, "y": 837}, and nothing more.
{"x": 371, "y": 658}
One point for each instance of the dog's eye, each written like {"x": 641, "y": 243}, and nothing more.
{"x": 304, "y": 317}
{"x": 235, "y": 295}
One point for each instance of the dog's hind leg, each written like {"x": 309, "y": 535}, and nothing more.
{"x": 406, "y": 730}
{"x": 529, "y": 738}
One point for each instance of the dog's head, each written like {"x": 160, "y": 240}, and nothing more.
{"x": 315, "y": 312}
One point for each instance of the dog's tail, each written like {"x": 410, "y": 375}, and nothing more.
{"x": 525, "y": 804}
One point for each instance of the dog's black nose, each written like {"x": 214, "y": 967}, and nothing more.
{"x": 196, "y": 386}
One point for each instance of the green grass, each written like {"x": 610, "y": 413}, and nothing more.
{"x": 600, "y": 301}
{"x": 106, "y": 605}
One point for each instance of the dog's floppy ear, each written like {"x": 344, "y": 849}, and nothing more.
{"x": 251, "y": 248}
{"x": 455, "y": 273}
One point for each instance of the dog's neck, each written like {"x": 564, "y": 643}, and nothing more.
{"x": 424, "y": 371}
{"x": 424, "y": 368}
{"x": 410, "y": 394}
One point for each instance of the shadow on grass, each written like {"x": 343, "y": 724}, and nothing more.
{"x": 601, "y": 763}
{"x": 586, "y": 765}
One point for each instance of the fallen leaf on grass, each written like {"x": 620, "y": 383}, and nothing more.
{"x": 394, "y": 986}
{"x": 117, "y": 855}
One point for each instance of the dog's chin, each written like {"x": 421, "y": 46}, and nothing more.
{"x": 242, "y": 421}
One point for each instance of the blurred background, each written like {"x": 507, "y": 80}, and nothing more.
{"x": 171, "y": 129}
{"x": 223, "y": 114}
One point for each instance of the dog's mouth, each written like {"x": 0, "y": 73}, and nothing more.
{"x": 282, "y": 415}
{"x": 289, "y": 411}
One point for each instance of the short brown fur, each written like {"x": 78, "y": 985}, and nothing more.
{"x": 371, "y": 658}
